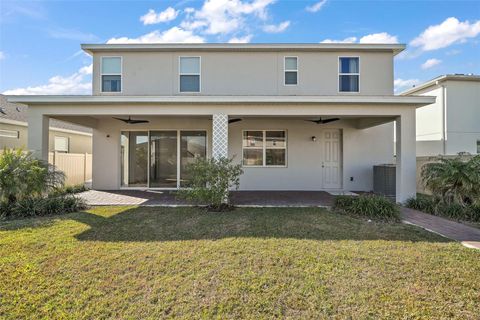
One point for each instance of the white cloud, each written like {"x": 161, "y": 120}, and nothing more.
{"x": 316, "y": 6}
{"x": 172, "y": 35}
{"x": 449, "y": 32}
{"x": 2, "y": 55}
{"x": 77, "y": 83}
{"x": 453, "y": 52}
{"x": 151, "y": 17}
{"x": 346, "y": 40}
{"x": 401, "y": 84}
{"x": 430, "y": 63}
{"x": 272, "y": 28}
{"x": 381, "y": 37}
{"x": 245, "y": 39}
{"x": 225, "y": 16}
{"x": 72, "y": 34}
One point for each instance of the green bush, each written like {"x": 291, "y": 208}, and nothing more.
{"x": 68, "y": 190}
{"x": 433, "y": 205}
{"x": 210, "y": 182}
{"x": 368, "y": 206}
{"x": 23, "y": 176}
{"x": 41, "y": 206}
{"x": 422, "y": 202}
{"x": 454, "y": 180}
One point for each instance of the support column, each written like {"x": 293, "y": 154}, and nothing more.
{"x": 406, "y": 156}
{"x": 220, "y": 136}
{"x": 38, "y": 130}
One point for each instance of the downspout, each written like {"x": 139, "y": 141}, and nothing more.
{"x": 444, "y": 118}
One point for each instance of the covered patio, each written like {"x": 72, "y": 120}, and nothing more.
{"x": 364, "y": 132}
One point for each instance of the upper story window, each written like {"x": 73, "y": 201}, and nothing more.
{"x": 349, "y": 74}
{"x": 111, "y": 74}
{"x": 291, "y": 71}
{"x": 189, "y": 74}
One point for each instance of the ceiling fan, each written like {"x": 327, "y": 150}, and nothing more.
{"x": 323, "y": 121}
{"x": 131, "y": 121}
{"x": 234, "y": 120}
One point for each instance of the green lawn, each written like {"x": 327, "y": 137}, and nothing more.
{"x": 132, "y": 263}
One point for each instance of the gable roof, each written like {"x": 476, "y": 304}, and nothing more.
{"x": 18, "y": 112}
{"x": 440, "y": 79}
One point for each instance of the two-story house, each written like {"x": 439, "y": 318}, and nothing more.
{"x": 452, "y": 124}
{"x": 296, "y": 116}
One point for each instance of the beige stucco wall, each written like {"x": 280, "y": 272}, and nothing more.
{"x": 247, "y": 73}
{"x": 78, "y": 143}
{"x": 361, "y": 150}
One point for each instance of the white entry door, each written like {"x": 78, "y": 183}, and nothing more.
{"x": 331, "y": 162}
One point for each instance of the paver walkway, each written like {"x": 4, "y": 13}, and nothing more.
{"x": 468, "y": 236}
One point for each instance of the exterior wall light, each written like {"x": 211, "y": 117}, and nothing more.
{"x": 314, "y": 139}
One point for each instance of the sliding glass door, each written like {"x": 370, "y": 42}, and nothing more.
{"x": 158, "y": 159}
{"x": 134, "y": 153}
{"x": 163, "y": 159}
{"x": 193, "y": 147}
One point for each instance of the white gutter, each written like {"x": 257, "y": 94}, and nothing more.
{"x": 204, "y": 99}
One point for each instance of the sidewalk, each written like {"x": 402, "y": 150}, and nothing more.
{"x": 468, "y": 236}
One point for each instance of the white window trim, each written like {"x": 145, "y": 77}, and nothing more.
{"x": 111, "y": 74}
{"x": 264, "y": 148}
{"x": 290, "y": 70}
{"x": 349, "y": 74}
{"x": 12, "y": 134}
{"x": 199, "y": 74}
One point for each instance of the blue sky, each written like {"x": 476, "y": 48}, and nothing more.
{"x": 40, "y": 41}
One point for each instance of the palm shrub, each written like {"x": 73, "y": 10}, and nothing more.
{"x": 454, "y": 180}
{"x": 435, "y": 206}
{"x": 210, "y": 182}
{"x": 22, "y": 176}
{"x": 368, "y": 206}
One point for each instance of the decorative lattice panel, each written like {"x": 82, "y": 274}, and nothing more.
{"x": 220, "y": 136}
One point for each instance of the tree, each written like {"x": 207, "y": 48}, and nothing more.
{"x": 210, "y": 182}
{"x": 22, "y": 176}
{"x": 454, "y": 180}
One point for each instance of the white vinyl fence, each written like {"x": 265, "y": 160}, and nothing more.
{"x": 76, "y": 166}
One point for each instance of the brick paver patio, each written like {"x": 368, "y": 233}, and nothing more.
{"x": 239, "y": 198}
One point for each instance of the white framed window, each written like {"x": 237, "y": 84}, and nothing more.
{"x": 264, "y": 148}
{"x": 290, "y": 68}
{"x": 10, "y": 134}
{"x": 111, "y": 74}
{"x": 189, "y": 74}
{"x": 349, "y": 74}
{"x": 61, "y": 144}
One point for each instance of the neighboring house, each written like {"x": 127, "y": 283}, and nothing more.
{"x": 297, "y": 116}
{"x": 63, "y": 137}
{"x": 451, "y": 124}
